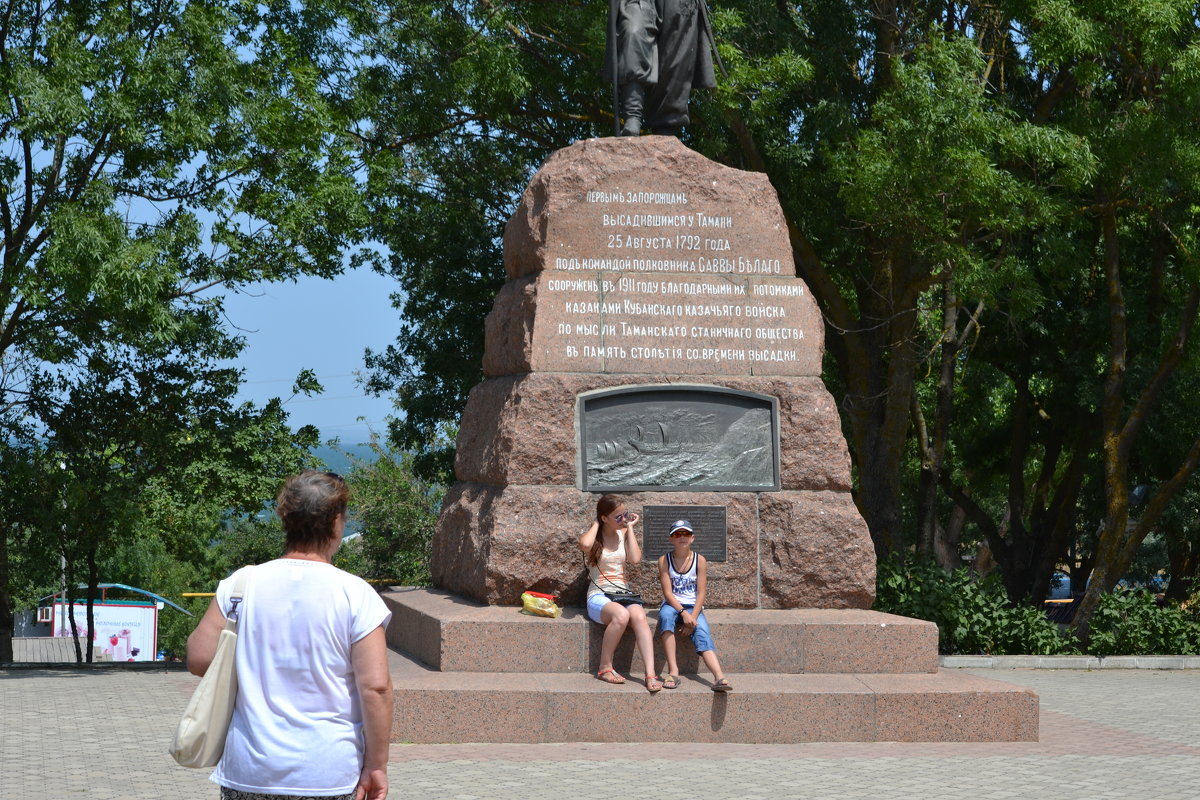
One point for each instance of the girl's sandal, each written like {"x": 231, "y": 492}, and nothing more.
{"x": 722, "y": 686}
{"x": 609, "y": 676}
{"x": 653, "y": 684}
{"x": 670, "y": 682}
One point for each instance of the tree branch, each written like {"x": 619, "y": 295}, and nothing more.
{"x": 1158, "y": 504}
{"x": 1167, "y": 365}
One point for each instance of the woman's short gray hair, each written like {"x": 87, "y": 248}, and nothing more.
{"x": 308, "y": 504}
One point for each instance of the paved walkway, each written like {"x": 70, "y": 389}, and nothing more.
{"x": 103, "y": 734}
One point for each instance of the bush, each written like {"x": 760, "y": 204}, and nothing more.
{"x": 397, "y": 513}
{"x": 973, "y": 616}
{"x": 174, "y": 627}
{"x": 1132, "y": 623}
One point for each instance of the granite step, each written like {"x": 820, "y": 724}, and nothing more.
{"x": 452, "y": 634}
{"x": 537, "y": 707}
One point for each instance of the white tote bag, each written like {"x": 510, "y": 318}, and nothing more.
{"x": 200, "y": 737}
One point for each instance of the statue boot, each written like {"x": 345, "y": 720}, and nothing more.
{"x": 632, "y": 97}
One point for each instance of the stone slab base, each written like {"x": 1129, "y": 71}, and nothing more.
{"x": 537, "y": 707}
{"x": 452, "y": 634}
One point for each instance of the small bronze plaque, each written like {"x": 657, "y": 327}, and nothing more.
{"x": 708, "y": 522}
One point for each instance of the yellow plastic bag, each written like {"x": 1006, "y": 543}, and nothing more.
{"x": 540, "y": 604}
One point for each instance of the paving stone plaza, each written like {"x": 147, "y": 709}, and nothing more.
{"x": 102, "y": 734}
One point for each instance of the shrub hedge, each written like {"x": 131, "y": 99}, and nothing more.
{"x": 974, "y": 617}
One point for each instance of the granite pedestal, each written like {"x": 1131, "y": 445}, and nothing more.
{"x": 470, "y": 672}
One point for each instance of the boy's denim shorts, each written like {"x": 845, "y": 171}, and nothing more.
{"x": 701, "y": 637}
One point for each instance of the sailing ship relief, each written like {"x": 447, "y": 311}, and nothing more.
{"x": 678, "y": 437}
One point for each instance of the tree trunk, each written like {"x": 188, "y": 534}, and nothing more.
{"x": 933, "y": 447}
{"x": 6, "y": 609}
{"x": 879, "y": 386}
{"x": 1119, "y": 539}
{"x": 1185, "y": 564}
{"x": 69, "y": 599}
{"x": 1113, "y": 448}
{"x": 93, "y": 580}
{"x": 947, "y": 539}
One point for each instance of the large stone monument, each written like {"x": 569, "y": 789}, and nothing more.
{"x": 653, "y": 339}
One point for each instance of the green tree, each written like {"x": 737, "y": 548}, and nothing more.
{"x": 141, "y": 424}
{"x": 155, "y": 153}
{"x": 463, "y": 100}
{"x": 1078, "y": 384}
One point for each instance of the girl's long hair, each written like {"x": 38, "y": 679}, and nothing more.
{"x": 604, "y": 506}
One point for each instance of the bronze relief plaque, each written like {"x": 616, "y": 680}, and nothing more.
{"x": 678, "y": 438}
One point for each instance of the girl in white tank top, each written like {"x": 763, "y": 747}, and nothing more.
{"x": 608, "y": 546}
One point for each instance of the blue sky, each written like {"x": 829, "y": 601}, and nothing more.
{"x": 322, "y": 325}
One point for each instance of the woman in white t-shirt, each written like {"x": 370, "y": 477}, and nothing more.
{"x": 608, "y": 545}
{"x": 314, "y": 708}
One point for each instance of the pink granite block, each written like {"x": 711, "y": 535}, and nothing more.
{"x": 952, "y": 707}
{"x": 403, "y": 631}
{"x": 815, "y": 551}
{"x": 520, "y": 538}
{"x": 459, "y": 555}
{"x": 809, "y": 709}
{"x": 763, "y": 708}
{"x": 493, "y": 714}
{"x": 606, "y": 322}
{"x": 508, "y": 329}
{"x": 452, "y": 634}
{"x": 815, "y": 641}
{"x": 560, "y": 221}
{"x": 526, "y": 538}
{"x": 746, "y": 640}
{"x": 541, "y": 645}
{"x": 859, "y": 640}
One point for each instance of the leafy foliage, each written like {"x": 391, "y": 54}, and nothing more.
{"x": 1132, "y": 622}
{"x": 973, "y": 616}
{"x": 396, "y": 513}
{"x": 151, "y": 153}
{"x": 994, "y": 205}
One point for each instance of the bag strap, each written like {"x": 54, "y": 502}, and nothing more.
{"x": 616, "y": 591}
{"x": 609, "y": 581}
{"x": 235, "y": 598}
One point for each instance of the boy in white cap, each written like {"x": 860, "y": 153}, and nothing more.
{"x": 684, "y": 577}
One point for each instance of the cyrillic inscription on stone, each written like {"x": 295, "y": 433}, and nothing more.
{"x": 671, "y": 438}
{"x": 663, "y": 231}
{"x": 709, "y": 523}
{"x": 637, "y": 323}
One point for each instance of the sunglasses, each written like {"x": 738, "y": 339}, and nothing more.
{"x": 624, "y": 515}
{"x": 681, "y": 533}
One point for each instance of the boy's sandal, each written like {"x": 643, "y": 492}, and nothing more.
{"x": 670, "y": 682}
{"x": 653, "y": 684}
{"x": 609, "y": 676}
{"x": 722, "y": 686}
